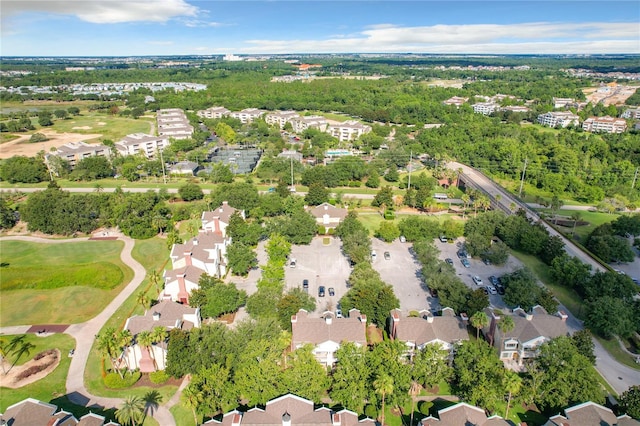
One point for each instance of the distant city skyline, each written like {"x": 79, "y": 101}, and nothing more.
{"x": 185, "y": 27}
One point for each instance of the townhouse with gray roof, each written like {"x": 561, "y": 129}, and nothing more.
{"x": 531, "y": 329}
{"x": 248, "y": 115}
{"x": 446, "y": 330}
{"x": 214, "y": 112}
{"x": 327, "y": 215}
{"x": 463, "y": 414}
{"x": 326, "y": 333}
{"x": 280, "y": 117}
{"x": 32, "y": 412}
{"x": 291, "y": 410}
{"x": 590, "y": 414}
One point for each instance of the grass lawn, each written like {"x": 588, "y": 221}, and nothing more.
{"x": 372, "y": 219}
{"x": 111, "y": 127}
{"x": 50, "y": 387}
{"x": 7, "y": 137}
{"x": 183, "y": 416}
{"x": 613, "y": 347}
{"x": 37, "y": 277}
{"x": 595, "y": 219}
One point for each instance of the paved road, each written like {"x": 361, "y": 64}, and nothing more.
{"x": 85, "y": 333}
{"x": 619, "y": 376}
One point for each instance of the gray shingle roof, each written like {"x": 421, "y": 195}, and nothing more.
{"x": 306, "y": 329}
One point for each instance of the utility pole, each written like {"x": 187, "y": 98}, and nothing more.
{"x": 410, "y": 158}
{"x": 635, "y": 178}
{"x": 524, "y": 170}
{"x": 164, "y": 175}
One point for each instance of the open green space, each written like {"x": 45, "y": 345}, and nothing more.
{"x": 595, "y": 219}
{"x": 59, "y": 283}
{"x": 111, "y": 127}
{"x": 183, "y": 416}
{"x": 7, "y": 137}
{"x": 51, "y": 386}
{"x": 15, "y": 106}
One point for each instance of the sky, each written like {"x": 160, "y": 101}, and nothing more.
{"x": 187, "y": 27}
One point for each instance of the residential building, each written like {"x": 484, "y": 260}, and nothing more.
{"x": 348, "y": 130}
{"x": 590, "y": 414}
{"x": 32, "y": 412}
{"x": 446, "y": 330}
{"x": 173, "y": 123}
{"x": 290, "y": 154}
{"x": 207, "y": 252}
{"x": 247, "y": 115}
{"x": 515, "y": 108}
{"x": 303, "y": 123}
{"x": 531, "y": 329}
{"x": 280, "y": 117}
{"x": 291, "y": 410}
{"x": 327, "y": 215}
{"x": 633, "y": 113}
{"x": 558, "y": 119}
{"x": 137, "y": 143}
{"x": 214, "y": 112}
{"x": 464, "y": 414}
{"x": 73, "y": 152}
{"x": 327, "y": 332}
{"x": 217, "y": 220}
{"x": 604, "y": 124}
{"x": 456, "y": 100}
{"x": 188, "y": 168}
{"x": 166, "y": 314}
{"x": 485, "y": 108}
{"x": 563, "y": 102}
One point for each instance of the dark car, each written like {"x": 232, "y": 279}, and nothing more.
{"x": 305, "y": 285}
{"x": 387, "y": 255}
{"x": 449, "y": 260}
{"x": 465, "y": 262}
{"x": 321, "y": 291}
{"x": 332, "y": 292}
{"x": 500, "y": 290}
{"x": 493, "y": 280}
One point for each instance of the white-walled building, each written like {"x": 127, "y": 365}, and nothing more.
{"x": 348, "y": 131}
{"x": 214, "y": 112}
{"x": 73, "y": 152}
{"x": 456, "y": 100}
{"x": 280, "y": 117}
{"x": 555, "y": 119}
{"x": 303, "y": 123}
{"x": 173, "y": 123}
{"x": 604, "y": 124}
{"x": 633, "y": 113}
{"x": 248, "y": 115}
{"x": 485, "y": 108}
{"x": 142, "y": 143}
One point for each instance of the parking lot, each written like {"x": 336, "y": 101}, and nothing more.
{"x": 476, "y": 267}
{"x": 402, "y": 271}
{"x": 322, "y": 265}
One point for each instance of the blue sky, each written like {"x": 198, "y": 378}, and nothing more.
{"x": 186, "y": 27}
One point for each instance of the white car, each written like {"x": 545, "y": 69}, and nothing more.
{"x": 373, "y": 255}
{"x": 492, "y": 290}
{"x": 476, "y": 279}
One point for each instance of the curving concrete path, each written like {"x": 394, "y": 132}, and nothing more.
{"x": 85, "y": 333}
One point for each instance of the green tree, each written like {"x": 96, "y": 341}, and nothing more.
{"x": 350, "y": 378}
{"x": 214, "y": 297}
{"x": 38, "y": 137}
{"x": 241, "y": 258}
{"x": 609, "y": 316}
{"x": 479, "y": 374}
{"x": 383, "y": 197}
{"x": 387, "y": 231}
{"x": 383, "y": 385}
{"x": 191, "y": 398}
{"x": 304, "y": 376}
{"x": 431, "y": 366}
{"x": 479, "y": 320}
{"x": 317, "y": 194}
{"x": 583, "y": 340}
{"x": 512, "y": 383}
{"x": 225, "y": 132}
{"x": 630, "y": 401}
{"x": 60, "y": 114}
{"x": 108, "y": 346}
{"x": 190, "y": 192}
{"x": 131, "y": 411}
{"x": 373, "y": 181}
{"x": 20, "y": 169}
{"x": 221, "y": 173}
{"x": 7, "y": 215}
{"x": 294, "y": 300}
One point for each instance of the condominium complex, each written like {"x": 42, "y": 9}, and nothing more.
{"x": 280, "y": 117}
{"x": 485, "y": 108}
{"x": 73, "y": 152}
{"x": 174, "y": 123}
{"x": 142, "y": 143}
{"x": 604, "y": 124}
{"x": 348, "y": 131}
{"x": 555, "y": 119}
{"x": 214, "y": 112}
{"x": 247, "y": 115}
{"x": 301, "y": 124}
{"x": 631, "y": 113}
{"x": 456, "y": 100}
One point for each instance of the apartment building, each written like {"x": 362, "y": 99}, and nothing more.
{"x": 604, "y": 124}
{"x": 137, "y": 143}
{"x": 73, "y": 152}
{"x": 174, "y": 123}
{"x": 348, "y": 131}
{"x": 247, "y": 115}
{"x": 563, "y": 102}
{"x": 631, "y": 113}
{"x": 555, "y": 119}
{"x": 485, "y": 108}
{"x": 280, "y": 117}
{"x": 456, "y": 100}
{"x": 214, "y": 112}
{"x": 515, "y": 108}
{"x": 301, "y": 124}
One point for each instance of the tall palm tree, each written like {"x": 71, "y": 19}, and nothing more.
{"x": 383, "y": 386}
{"x": 191, "y": 398}
{"x": 505, "y": 325}
{"x": 154, "y": 277}
{"x": 142, "y": 299}
{"x": 479, "y": 320}
{"x": 512, "y": 383}
{"x": 124, "y": 339}
{"x": 108, "y": 345}
{"x": 466, "y": 200}
{"x": 158, "y": 335}
{"x": 8, "y": 348}
{"x": 130, "y": 413}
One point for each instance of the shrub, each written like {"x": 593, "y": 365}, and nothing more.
{"x": 36, "y": 368}
{"x": 425, "y": 406}
{"x": 44, "y": 353}
{"x": 158, "y": 377}
{"x": 114, "y": 381}
{"x": 370, "y": 411}
{"x": 38, "y": 137}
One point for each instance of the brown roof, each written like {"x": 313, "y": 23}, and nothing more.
{"x": 301, "y": 412}
{"x": 425, "y": 329}
{"x": 306, "y": 329}
{"x": 591, "y": 414}
{"x": 191, "y": 273}
{"x": 326, "y": 208}
{"x": 29, "y": 412}
{"x": 200, "y": 247}
{"x": 91, "y": 419}
{"x": 170, "y": 316}
{"x": 539, "y": 323}
{"x": 222, "y": 213}
{"x": 463, "y": 414}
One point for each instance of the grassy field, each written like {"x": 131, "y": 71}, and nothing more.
{"x": 595, "y": 219}
{"x": 183, "y": 416}
{"x": 50, "y": 387}
{"x": 7, "y": 137}
{"x": 111, "y": 127}
{"x": 38, "y": 277}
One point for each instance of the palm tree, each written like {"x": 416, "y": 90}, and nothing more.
{"x": 191, "y": 398}
{"x": 466, "y": 199}
{"x": 124, "y": 339}
{"x": 158, "y": 335}
{"x": 152, "y": 400}
{"x": 108, "y": 345}
{"x": 383, "y": 386}
{"x": 145, "y": 340}
{"x": 142, "y": 299}
{"x": 154, "y": 277}
{"x": 7, "y": 348}
{"x": 479, "y": 320}
{"x": 576, "y": 216}
{"x": 159, "y": 222}
{"x": 505, "y": 325}
{"x": 131, "y": 410}
{"x": 512, "y": 383}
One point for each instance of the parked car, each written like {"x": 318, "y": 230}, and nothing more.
{"x": 332, "y": 291}
{"x": 292, "y": 264}
{"x": 493, "y": 280}
{"x": 403, "y": 239}
{"x": 449, "y": 260}
{"x": 485, "y": 290}
{"x": 476, "y": 279}
{"x": 465, "y": 262}
{"x": 339, "y": 313}
{"x": 500, "y": 289}
{"x": 387, "y": 255}
{"x": 492, "y": 290}
{"x": 305, "y": 286}
{"x": 321, "y": 291}
{"x": 486, "y": 261}
{"x": 373, "y": 255}
{"x": 443, "y": 239}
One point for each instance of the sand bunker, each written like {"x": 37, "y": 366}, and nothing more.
{"x": 22, "y": 146}
{"x": 82, "y": 128}
{"x": 102, "y": 123}
{"x": 19, "y": 375}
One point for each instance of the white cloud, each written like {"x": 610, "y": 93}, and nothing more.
{"x": 160, "y": 42}
{"x": 104, "y": 11}
{"x": 193, "y": 23}
{"x": 535, "y": 37}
